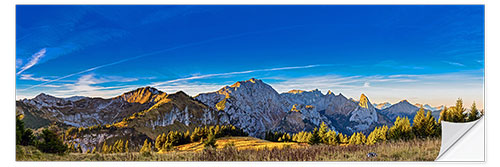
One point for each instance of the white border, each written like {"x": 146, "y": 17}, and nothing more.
{"x": 7, "y": 65}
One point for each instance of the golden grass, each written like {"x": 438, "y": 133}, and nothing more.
{"x": 252, "y": 149}
{"x": 240, "y": 143}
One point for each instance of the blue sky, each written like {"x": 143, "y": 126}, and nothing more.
{"x": 426, "y": 54}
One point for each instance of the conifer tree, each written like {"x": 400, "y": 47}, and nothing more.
{"x": 146, "y": 147}
{"x": 323, "y": 129}
{"x": 338, "y": 139}
{"x": 430, "y": 125}
{"x": 443, "y": 115}
{"x": 353, "y": 138}
{"x": 51, "y": 143}
{"x": 79, "y": 148}
{"x": 419, "y": 123}
{"x": 373, "y": 136}
{"x": 473, "y": 112}
{"x": 104, "y": 149}
{"x": 24, "y": 136}
{"x": 459, "y": 111}
{"x": 126, "y": 147}
{"x": 331, "y": 138}
{"x": 401, "y": 129}
{"x": 315, "y": 138}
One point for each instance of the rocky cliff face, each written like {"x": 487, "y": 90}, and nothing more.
{"x": 79, "y": 112}
{"x": 364, "y": 115}
{"x": 251, "y": 105}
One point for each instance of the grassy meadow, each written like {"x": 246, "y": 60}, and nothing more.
{"x": 253, "y": 149}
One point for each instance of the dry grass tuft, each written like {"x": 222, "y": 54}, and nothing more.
{"x": 251, "y": 149}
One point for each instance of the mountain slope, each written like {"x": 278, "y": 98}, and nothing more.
{"x": 251, "y": 105}
{"x": 176, "y": 111}
{"x": 401, "y": 109}
{"x": 83, "y": 111}
{"x": 382, "y": 106}
{"x": 364, "y": 115}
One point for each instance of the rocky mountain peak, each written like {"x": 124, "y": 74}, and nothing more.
{"x": 382, "y": 106}
{"x": 179, "y": 95}
{"x": 404, "y": 103}
{"x": 247, "y": 82}
{"x": 43, "y": 96}
{"x": 253, "y": 80}
{"x": 329, "y": 93}
{"x": 143, "y": 95}
{"x": 295, "y": 91}
{"x": 363, "y": 101}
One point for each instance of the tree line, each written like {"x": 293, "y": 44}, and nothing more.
{"x": 424, "y": 126}
{"x": 458, "y": 113}
{"x": 205, "y": 135}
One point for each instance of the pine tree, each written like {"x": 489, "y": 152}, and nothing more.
{"x": 104, "y": 149}
{"x": 323, "y": 129}
{"x": 459, "y": 111}
{"x": 79, "y": 148}
{"x": 146, "y": 147}
{"x": 443, "y": 115}
{"x": 353, "y": 138}
{"x": 401, "y": 129}
{"x": 419, "y": 123}
{"x": 51, "y": 143}
{"x": 331, "y": 137}
{"x": 24, "y": 136}
{"x": 473, "y": 113}
{"x": 160, "y": 140}
{"x": 315, "y": 138}
{"x": 430, "y": 125}
{"x": 373, "y": 136}
{"x": 126, "y": 147}
{"x": 357, "y": 139}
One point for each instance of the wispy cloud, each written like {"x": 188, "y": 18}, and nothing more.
{"x": 31, "y": 77}
{"x": 87, "y": 85}
{"x": 191, "y": 88}
{"x": 231, "y": 73}
{"x": 454, "y": 63}
{"x": 433, "y": 89}
{"x": 19, "y": 62}
{"x": 52, "y": 86}
{"x": 366, "y": 85}
{"x": 166, "y": 50}
{"x": 35, "y": 58}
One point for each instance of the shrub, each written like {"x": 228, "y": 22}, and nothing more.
{"x": 210, "y": 142}
{"x": 24, "y": 136}
{"x": 51, "y": 143}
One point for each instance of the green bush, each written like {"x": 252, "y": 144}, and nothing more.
{"x": 24, "y": 136}
{"x": 51, "y": 143}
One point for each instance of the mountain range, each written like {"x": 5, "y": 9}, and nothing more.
{"x": 252, "y": 105}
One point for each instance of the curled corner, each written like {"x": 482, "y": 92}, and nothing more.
{"x": 453, "y": 134}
